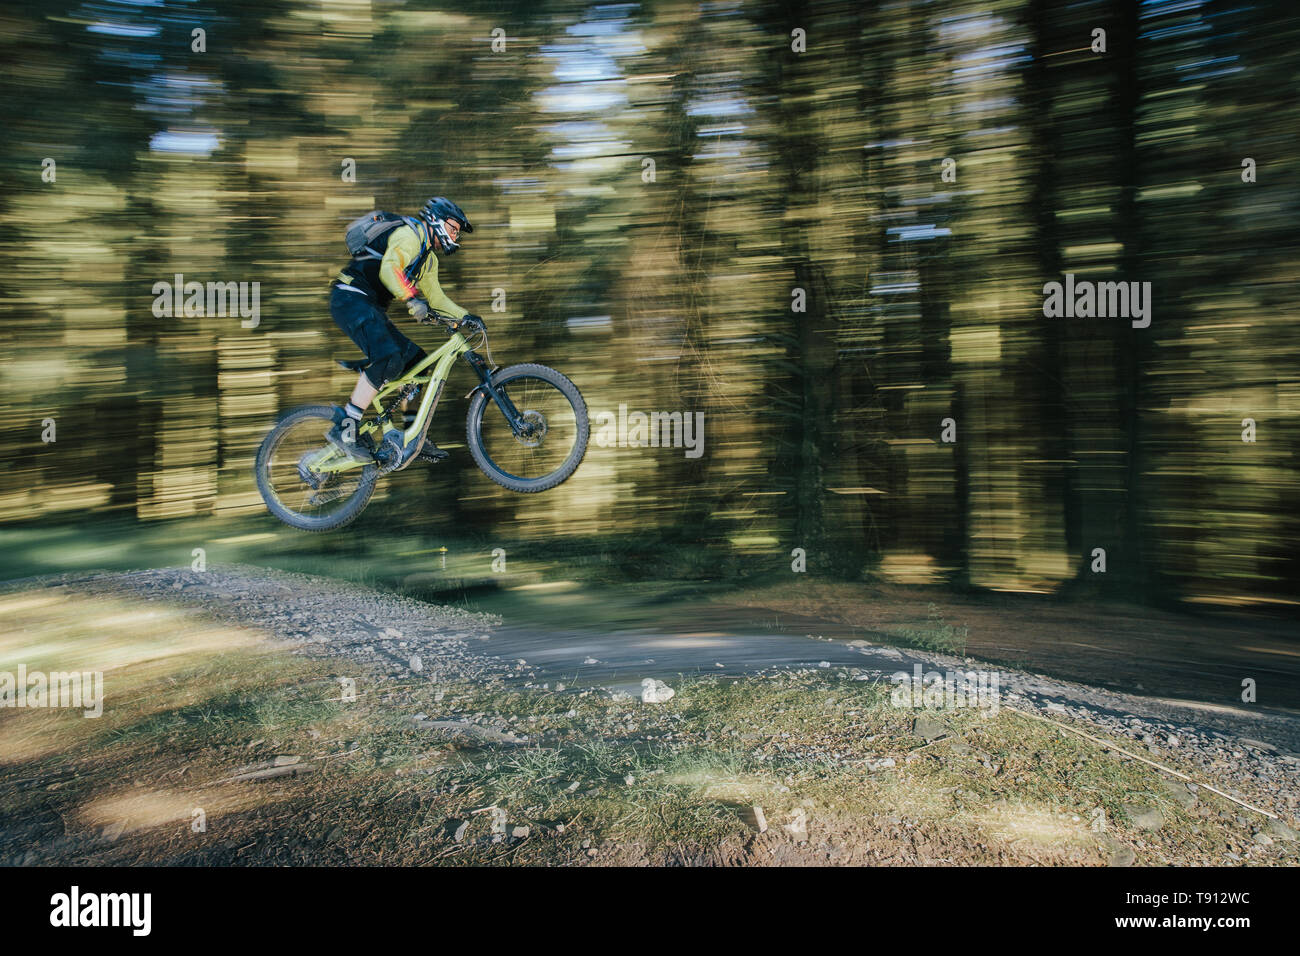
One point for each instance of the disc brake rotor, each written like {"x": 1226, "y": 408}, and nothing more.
{"x": 539, "y": 428}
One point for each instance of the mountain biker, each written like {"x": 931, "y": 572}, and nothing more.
{"x": 359, "y": 299}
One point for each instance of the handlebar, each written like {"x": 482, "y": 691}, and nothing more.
{"x": 435, "y": 317}
{"x": 453, "y": 324}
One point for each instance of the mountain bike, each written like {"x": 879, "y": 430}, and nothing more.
{"x": 527, "y": 430}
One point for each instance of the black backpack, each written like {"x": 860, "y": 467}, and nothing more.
{"x": 367, "y": 237}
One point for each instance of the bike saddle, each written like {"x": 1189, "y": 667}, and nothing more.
{"x": 353, "y": 365}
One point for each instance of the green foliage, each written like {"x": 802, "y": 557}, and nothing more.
{"x": 936, "y": 634}
{"x": 774, "y": 171}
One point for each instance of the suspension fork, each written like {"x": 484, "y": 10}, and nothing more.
{"x": 498, "y": 395}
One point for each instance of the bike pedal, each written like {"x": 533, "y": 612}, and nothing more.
{"x": 432, "y": 455}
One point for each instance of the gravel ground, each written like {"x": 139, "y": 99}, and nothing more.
{"x": 1251, "y": 753}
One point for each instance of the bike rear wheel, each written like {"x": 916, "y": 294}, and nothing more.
{"x": 556, "y": 416}
{"x": 293, "y": 490}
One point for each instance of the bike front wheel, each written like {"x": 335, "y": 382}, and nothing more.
{"x": 550, "y": 445}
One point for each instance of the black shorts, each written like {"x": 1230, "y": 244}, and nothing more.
{"x": 390, "y": 352}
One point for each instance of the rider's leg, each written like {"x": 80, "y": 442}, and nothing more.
{"x": 386, "y": 365}
{"x": 347, "y": 419}
{"x": 412, "y": 354}
{"x": 364, "y": 323}
{"x": 410, "y": 351}
{"x": 390, "y": 353}
{"x": 363, "y": 394}
{"x": 382, "y": 367}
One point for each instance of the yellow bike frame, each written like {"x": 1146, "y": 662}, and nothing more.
{"x": 333, "y": 460}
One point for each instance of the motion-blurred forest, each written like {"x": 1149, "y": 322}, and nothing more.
{"x": 739, "y": 209}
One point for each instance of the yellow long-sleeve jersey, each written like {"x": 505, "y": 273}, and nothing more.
{"x": 386, "y": 279}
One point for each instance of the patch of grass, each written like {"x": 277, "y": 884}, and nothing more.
{"x": 935, "y": 634}
{"x": 602, "y": 778}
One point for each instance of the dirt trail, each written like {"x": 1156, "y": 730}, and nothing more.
{"x": 1203, "y": 655}
{"x": 1257, "y": 748}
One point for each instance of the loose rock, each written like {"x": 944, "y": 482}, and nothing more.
{"x": 655, "y": 691}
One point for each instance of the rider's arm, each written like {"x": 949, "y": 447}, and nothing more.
{"x": 403, "y": 247}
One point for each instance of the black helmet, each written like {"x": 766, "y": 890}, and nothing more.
{"x": 435, "y": 211}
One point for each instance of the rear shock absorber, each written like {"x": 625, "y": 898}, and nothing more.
{"x": 407, "y": 393}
